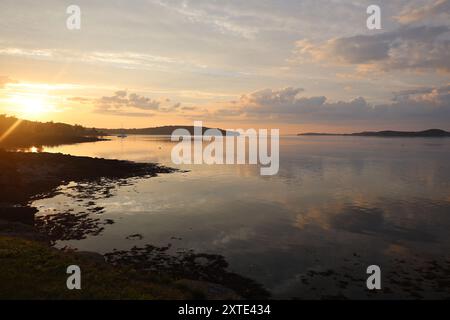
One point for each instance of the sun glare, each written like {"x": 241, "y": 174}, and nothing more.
{"x": 31, "y": 106}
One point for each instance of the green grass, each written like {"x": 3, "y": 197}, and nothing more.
{"x": 32, "y": 270}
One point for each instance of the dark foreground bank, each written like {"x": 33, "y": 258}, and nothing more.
{"x": 30, "y": 268}
{"x": 24, "y": 176}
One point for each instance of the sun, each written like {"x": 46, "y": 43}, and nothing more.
{"x": 33, "y": 106}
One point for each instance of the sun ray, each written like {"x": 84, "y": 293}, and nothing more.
{"x": 10, "y": 130}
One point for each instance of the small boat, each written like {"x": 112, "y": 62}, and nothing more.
{"x": 122, "y": 134}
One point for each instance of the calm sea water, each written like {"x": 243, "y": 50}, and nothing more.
{"x": 337, "y": 205}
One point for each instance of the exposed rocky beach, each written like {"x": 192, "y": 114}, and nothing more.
{"x": 26, "y": 239}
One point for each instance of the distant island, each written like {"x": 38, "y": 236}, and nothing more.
{"x": 164, "y": 130}
{"x": 387, "y": 133}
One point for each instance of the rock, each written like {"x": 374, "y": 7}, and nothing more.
{"x": 210, "y": 291}
{"x": 20, "y": 214}
{"x": 94, "y": 256}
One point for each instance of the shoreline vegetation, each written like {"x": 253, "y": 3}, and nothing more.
{"x": 31, "y": 268}
{"x": 18, "y": 133}
{"x": 164, "y": 130}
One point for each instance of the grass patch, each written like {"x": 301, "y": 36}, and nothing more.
{"x": 32, "y": 270}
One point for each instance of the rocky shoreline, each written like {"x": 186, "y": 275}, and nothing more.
{"x": 25, "y": 177}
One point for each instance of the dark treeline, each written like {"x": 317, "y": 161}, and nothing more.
{"x": 165, "y": 130}
{"x": 23, "y": 133}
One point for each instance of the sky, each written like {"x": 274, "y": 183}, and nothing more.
{"x": 296, "y": 65}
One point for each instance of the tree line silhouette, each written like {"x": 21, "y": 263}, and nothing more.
{"x": 15, "y": 132}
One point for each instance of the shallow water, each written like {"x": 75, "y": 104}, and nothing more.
{"x": 337, "y": 205}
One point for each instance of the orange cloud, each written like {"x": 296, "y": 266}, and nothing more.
{"x": 410, "y": 15}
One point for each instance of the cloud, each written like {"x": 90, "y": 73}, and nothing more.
{"x": 129, "y": 104}
{"x": 188, "y": 108}
{"x": 437, "y": 97}
{"x": 122, "y": 113}
{"x": 170, "y": 108}
{"x": 426, "y": 105}
{"x": 122, "y": 100}
{"x": 122, "y": 59}
{"x": 407, "y": 48}
{"x": 20, "y": 52}
{"x": 82, "y": 100}
{"x": 411, "y": 14}
{"x": 212, "y": 16}
{"x": 272, "y": 97}
{"x": 5, "y": 80}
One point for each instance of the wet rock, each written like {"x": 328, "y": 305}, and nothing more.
{"x": 209, "y": 291}
{"x": 187, "y": 264}
{"x": 18, "y": 213}
{"x": 136, "y": 236}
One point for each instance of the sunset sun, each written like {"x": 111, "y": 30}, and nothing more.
{"x": 31, "y": 106}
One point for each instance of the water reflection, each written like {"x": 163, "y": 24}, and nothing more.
{"x": 79, "y": 218}
{"x": 337, "y": 205}
{"x": 34, "y": 149}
